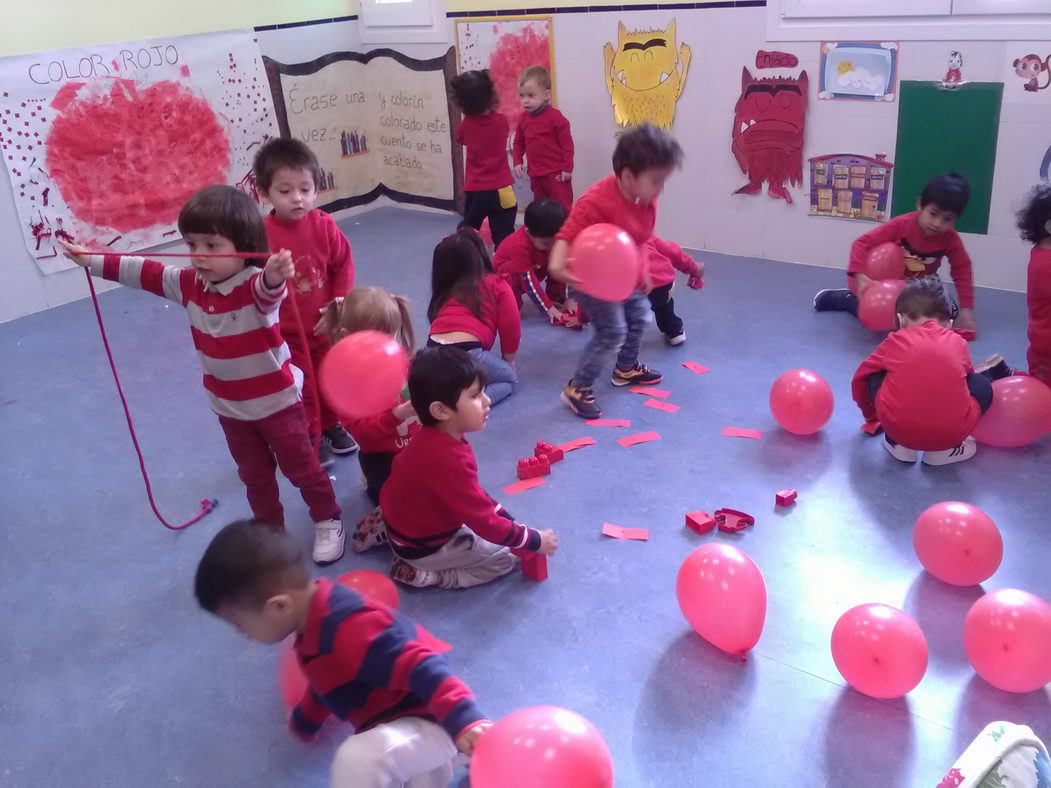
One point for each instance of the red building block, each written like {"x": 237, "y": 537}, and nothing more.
{"x": 546, "y": 451}
{"x": 785, "y": 497}
{"x": 700, "y": 522}
{"x": 730, "y": 520}
{"x": 534, "y": 565}
{"x": 532, "y": 467}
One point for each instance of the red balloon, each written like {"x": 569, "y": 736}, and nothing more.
{"x": 801, "y": 401}
{"x": 877, "y": 308}
{"x": 1007, "y": 638}
{"x": 542, "y": 747}
{"x": 606, "y": 261}
{"x": 375, "y": 585}
{"x": 958, "y": 543}
{"x": 879, "y": 650}
{"x": 363, "y": 374}
{"x": 886, "y": 261}
{"x": 485, "y": 232}
{"x": 290, "y": 677}
{"x": 1019, "y": 415}
{"x": 722, "y": 594}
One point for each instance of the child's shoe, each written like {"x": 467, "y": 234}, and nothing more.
{"x": 994, "y": 368}
{"x": 406, "y": 573}
{"x": 676, "y": 339}
{"x": 581, "y": 400}
{"x": 329, "y": 539}
{"x": 324, "y": 454}
{"x": 638, "y": 375}
{"x": 836, "y": 300}
{"x": 371, "y": 532}
{"x": 339, "y": 440}
{"x": 964, "y": 451}
{"x": 899, "y": 452}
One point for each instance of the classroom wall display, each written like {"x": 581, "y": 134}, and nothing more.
{"x": 767, "y": 134}
{"x": 379, "y": 122}
{"x": 850, "y": 186}
{"x": 1027, "y": 73}
{"x": 858, "y": 70}
{"x": 104, "y": 144}
{"x": 645, "y": 74}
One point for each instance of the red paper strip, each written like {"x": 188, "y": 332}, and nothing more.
{"x": 522, "y": 486}
{"x": 650, "y": 391}
{"x": 619, "y": 532}
{"x": 579, "y": 443}
{"x": 639, "y": 437}
{"x": 736, "y": 432}
{"x": 656, "y": 404}
{"x": 608, "y": 423}
{"x": 693, "y": 366}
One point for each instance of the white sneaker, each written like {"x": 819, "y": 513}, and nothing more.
{"x": 328, "y": 541}
{"x": 899, "y": 452}
{"x": 964, "y": 451}
{"x": 678, "y": 339}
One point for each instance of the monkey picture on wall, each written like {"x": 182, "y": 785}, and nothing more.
{"x": 1031, "y": 68}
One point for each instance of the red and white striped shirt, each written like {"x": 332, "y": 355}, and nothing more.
{"x": 234, "y": 324}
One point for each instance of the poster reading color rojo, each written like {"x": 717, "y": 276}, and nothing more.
{"x": 104, "y": 144}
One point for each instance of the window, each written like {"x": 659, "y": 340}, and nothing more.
{"x": 403, "y": 22}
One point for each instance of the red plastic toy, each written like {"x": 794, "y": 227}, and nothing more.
{"x": 785, "y": 497}
{"x": 534, "y": 565}
{"x": 700, "y": 522}
{"x": 546, "y": 451}
{"x": 730, "y": 520}
{"x": 532, "y": 467}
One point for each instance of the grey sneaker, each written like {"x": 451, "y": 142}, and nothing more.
{"x": 339, "y": 440}
{"x": 677, "y": 339}
{"x": 581, "y": 400}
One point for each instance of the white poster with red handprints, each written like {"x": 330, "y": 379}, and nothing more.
{"x": 104, "y": 144}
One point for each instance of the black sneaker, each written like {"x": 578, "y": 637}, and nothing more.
{"x": 324, "y": 454}
{"x": 638, "y": 375}
{"x": 339, "y": 440}
{"x": 581, "y": 400}
{"x": 994, "y": 368}
{"x": 836, "y": 300}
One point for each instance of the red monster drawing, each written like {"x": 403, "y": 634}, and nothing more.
{"x": 952, "y": 779}
{"x": 767, "y": 136}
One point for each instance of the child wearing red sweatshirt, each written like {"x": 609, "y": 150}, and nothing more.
{"x": 543, "y": 138}
{"x": 920, "y": 384}
{"x": 444, "y": 528}
{"x": 288, "y": 176}
{"x": 664, "y": 258}
{"x": 364, "y": 663}
{"x": 1034, "y": 220}
{"x": 488, "y": 185}
{"x": 926, "y": 236}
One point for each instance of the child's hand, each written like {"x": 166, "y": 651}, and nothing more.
{"x": 403, "y": 411}
{"x": 326, "y": 324}
{"x": 469, "y": 738}
{"x": 564, "y": 177}
{"x": 519, "y": 170}
{"x": 966, "y": 320}
{"x": 548, "y": 542}
{"x": 278, "y": 268}
{"x": 74, "y": 252}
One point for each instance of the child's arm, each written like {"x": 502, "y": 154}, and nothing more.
{"x": 565, "y": 144}
{"x": 374, "y": 429}
{"x": 682, "y": 261}
{"x": 308, "y": 716}
{"x": 538, "y": 295}
{"x": 518, "y": 148}
{"x": 859, "y": 385}
{"x": 508, "y": 319}
{"x": 168, "y": 281}
{"x": 268, "y": 288}
{"x": 963, "y": 277}
{"x": 341, "y": 261}
{"x": 863, "y": 246}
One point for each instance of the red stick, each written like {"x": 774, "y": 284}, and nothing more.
{"x": 245, "y": 255}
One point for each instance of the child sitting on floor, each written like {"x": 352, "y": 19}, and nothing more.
{"x": 920, "y": 385}
{"x": 363, "y": 662}
{"x": 664, "y": 258}
{"x": 443, "y": 527}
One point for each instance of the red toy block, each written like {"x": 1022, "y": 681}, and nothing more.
{"x": 700, "y": 522}
{"x": 731, "y": 520}
{"x": 546, "y": 451}
{"x": 785, "y": 497}
{"x": 531, "y": 467}
{"x": 534, "y": 565}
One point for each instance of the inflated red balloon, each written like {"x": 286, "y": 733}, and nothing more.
{"x": 1019, "y": 415}
{"x": 375, "y": 585}
{"x": 876, "y": 309}
{"x": 879, "y": 650}
{"x": 290, "y": 677}
{"x": 606, "y": 261}
{"x": 958, "y": 543}
{"x": 886, "y": 261}
{"x": 722, "y": 594}
{"x": 542, "y": 747}
{"x": 1007, "y": 638}
{"x": 801, "y": 401}
{"x": 363, "y": 374}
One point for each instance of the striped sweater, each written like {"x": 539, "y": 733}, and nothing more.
{"x": 234, "y": 325}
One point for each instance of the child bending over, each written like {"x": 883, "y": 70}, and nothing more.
{"x": 664, "y": 258}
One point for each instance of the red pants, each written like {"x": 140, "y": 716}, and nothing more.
{"x": 311, "y": 393}
{"x": 282, "y": 438}
{"x": 547, "y": 186}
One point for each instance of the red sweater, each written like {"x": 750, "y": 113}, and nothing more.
{"x": 923, "y": 403}
{"x": 500, "y": 314}
{"x": 368, "y": 664}
{"x": 545, "y": 140}
{"x": 1039, "y": 298}
{"x": 664, "y": 258}
{"x": 516, "y": 257}
{"x": 383, "y": 433}
{"x": 433, "y": 489}
{"x": 324, "y": 267}
{"x": 926, "y": 252}
{"x": 485, "y": 137}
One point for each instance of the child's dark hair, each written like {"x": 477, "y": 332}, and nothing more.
{"x": 1034, "y": 220}
{"x": 284, "y": 153}
{"x": 949, "y": 191}
{"x": 646, "y": 148}
{"x": 460, "y": 262}
{"x": 246, "y": 563}
{"x": 544, "y": 218}
{"x": 925, "y": 297}
{"x": 229, "y": 212}
{"x": 441, "y": 374}
{"x": 474, "y": 92}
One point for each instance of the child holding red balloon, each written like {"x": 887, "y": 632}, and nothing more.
{"x": 233, "y": 313}
{"x": 926, "y": 236}
{"x": 443, "y": 527}
{"x": 288, "y": 176}
{"x": 920, "y": 385}
{"x": 643, "y": 160}
{"x": 364, "y": 662}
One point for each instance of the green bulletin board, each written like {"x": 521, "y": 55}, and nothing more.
{"x": 943, "y": 130}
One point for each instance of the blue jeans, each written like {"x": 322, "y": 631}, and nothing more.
{"x": 501, "y": 378}
{"x": 615, "y": 326}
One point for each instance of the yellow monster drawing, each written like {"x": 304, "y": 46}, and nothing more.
{"x": 645, "y": 75}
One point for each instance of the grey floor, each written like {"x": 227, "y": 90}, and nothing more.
{"x": 109, "y": 674}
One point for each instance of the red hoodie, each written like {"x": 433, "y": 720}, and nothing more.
{"x": 664, "y": 258}
{"x": 1039, "y": 299}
